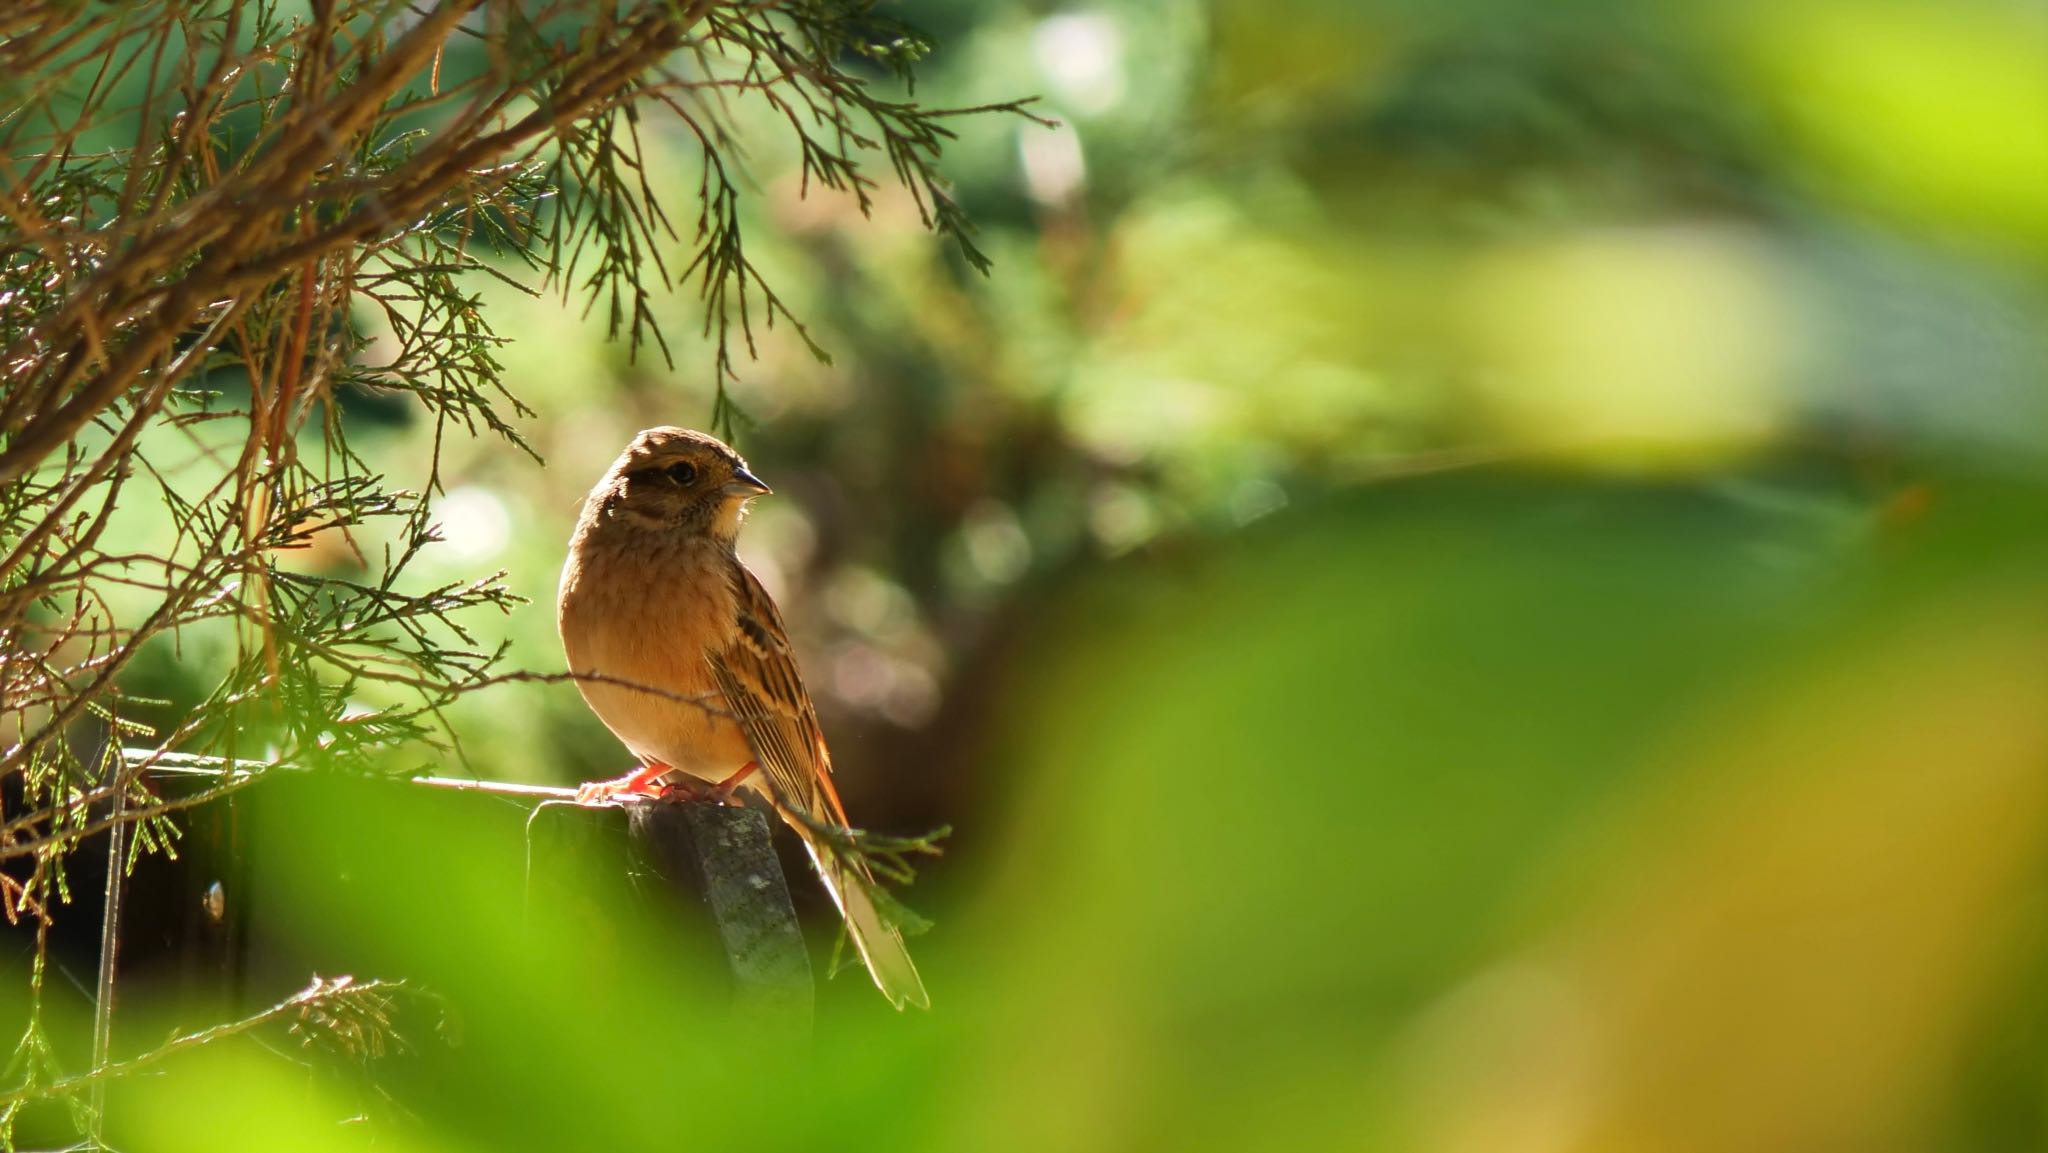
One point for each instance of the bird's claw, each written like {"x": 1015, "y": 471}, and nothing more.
{"x": 690, "y": 790}
{"x": 642, "y": 782}
{"x": 646, "y": 783}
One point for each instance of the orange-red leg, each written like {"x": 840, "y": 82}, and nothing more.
{"x": 644, "y": 781}
{"x": 747, "y": 770}
{"x": 722, "y": 792}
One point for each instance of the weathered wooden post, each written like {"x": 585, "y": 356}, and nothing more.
{"x": 725, "y": 857}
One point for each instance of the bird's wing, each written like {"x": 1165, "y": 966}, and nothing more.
{"x": 757, "y": 673}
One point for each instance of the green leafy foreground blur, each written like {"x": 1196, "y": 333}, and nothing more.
{"x": 1504, "y": 813}
{"x": 1470, "y": 580}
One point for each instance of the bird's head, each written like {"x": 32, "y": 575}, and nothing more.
{"x": 681, "y": 479}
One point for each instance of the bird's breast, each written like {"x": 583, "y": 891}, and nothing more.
{"x": 637, "y": 619}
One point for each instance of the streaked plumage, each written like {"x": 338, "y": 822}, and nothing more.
{"x": 696, "y": 671}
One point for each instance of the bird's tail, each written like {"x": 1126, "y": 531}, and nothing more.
{"x": 879, "y": 943}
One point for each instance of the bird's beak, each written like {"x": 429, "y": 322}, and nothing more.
{"x": 744, "y": 483}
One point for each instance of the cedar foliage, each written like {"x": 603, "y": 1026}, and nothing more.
{"x": 196, "y": 202}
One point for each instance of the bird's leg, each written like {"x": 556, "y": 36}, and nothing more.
{"x": 644, "y": 781}
{"x": 723, "y": 789}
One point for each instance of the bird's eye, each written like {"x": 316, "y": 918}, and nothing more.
{"x": 683, "y": 473}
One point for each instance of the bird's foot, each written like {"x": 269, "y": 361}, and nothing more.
{"x": 725, "y": 792}
{"x": 644, "y": 781}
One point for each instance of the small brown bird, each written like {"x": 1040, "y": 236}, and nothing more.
{"x": 681, "y": 653}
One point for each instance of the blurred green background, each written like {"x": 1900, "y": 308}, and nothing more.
{"x": 1473, "y": 580}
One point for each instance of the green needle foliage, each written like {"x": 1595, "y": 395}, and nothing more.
{"x": 199, "y": 205}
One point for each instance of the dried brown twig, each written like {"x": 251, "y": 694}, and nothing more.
{"x": 333, "y": 998}
{"x": 200, "y": 204}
